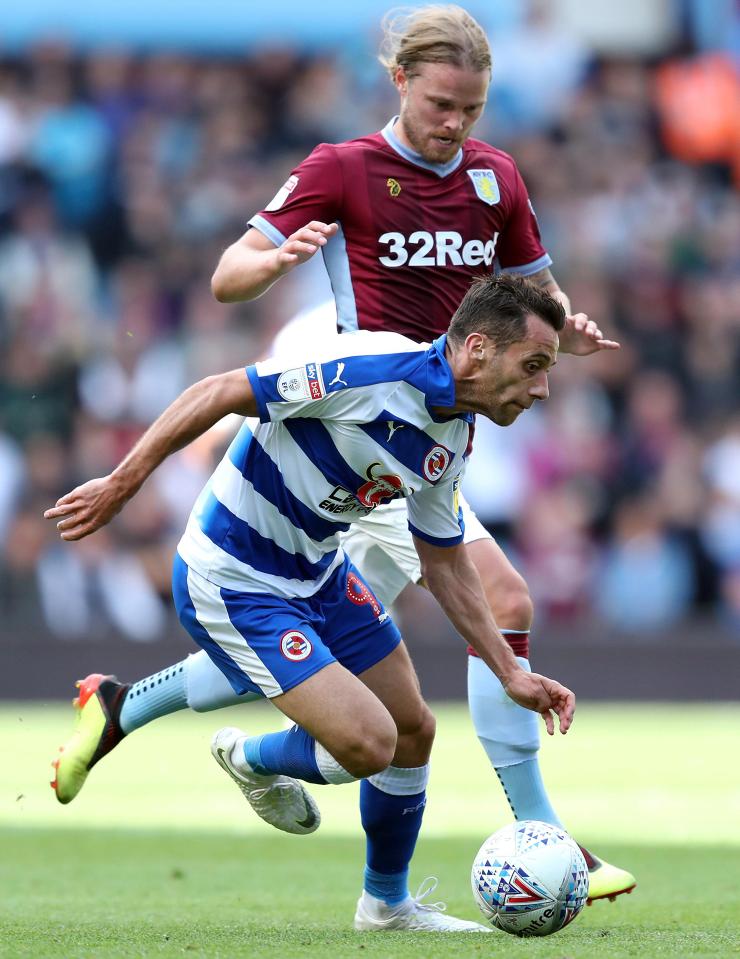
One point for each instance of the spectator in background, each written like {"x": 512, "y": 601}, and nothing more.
{"x": 67, "y": 139}
{"x": 699, "y": 104}
{"x": 539, "y": 66}
{"x": 48, "y": 281}
{"x": 645, "y": 582}
{"x": 720, "y": 524}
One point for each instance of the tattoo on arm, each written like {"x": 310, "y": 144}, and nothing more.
{"x": 544, "y": 279}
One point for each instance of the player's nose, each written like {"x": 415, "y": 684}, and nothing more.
{"x": 455, "y": 121}
{"x": 540, "y": 389}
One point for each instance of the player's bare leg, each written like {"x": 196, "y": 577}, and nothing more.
{"x": 366, "y": 734}
{"x": 355, "y": 727}
{"x": 510, "y": 734}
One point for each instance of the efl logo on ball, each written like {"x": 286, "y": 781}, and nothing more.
{"x": 295, "y": 646}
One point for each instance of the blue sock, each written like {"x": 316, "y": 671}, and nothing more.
{"x": 526, "y": 793}
{"x": 291, "y": 752}
{"x": 157, "y": 695}
{"x": 391, "y": 825}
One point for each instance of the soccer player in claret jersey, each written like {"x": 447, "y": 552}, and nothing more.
{"x": 404, "y": 218}
{"x": 262, "y": 584}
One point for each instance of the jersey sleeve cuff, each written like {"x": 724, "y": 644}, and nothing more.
{"x": 259, "y": 393}
{"x": 436, "y": 540}
{"x": 527, "y": 269}
{"x": 267, "y": 229}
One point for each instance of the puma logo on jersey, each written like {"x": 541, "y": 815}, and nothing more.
{"x": 442, "y": 248}
{"x": 338, "y": 378}
{"x": 392, "y": 428}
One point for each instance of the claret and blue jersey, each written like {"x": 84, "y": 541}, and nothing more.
{"x": 338, "y": 435}
{"x": 411, "y": 234}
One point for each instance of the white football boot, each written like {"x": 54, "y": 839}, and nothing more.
{"x": 279, "y": 800}
{"x": 411, "y": 915}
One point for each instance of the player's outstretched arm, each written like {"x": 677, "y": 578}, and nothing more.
{"x": 454, "y": 581}
{"x": 581, "y": 336}
{"x": 95, "y": 503}
{"x": 249, "y": 267}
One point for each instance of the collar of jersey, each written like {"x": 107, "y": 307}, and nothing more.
{"x": 440, "y": 382}
{"x": 441, "y": 169}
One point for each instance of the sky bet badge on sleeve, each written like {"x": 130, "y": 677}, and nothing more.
{"x": 301, "y": 383}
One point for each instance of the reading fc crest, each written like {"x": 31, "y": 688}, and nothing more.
{"x": 435, "y": 463}
{"x": 295, "y": 646}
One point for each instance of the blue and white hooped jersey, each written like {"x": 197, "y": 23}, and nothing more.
{"x": 337, "y": 436}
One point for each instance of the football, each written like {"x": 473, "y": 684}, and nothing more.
{"x": 530, "y": 879}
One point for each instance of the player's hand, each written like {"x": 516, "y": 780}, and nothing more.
{"x": 543, "y": 696}
{"x": 301, "y": 245}
{"x": 87, "y": 508}
{"x": 582, "y": 336}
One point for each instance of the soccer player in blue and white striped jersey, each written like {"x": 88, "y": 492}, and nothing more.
{"x": 262, "y": 585}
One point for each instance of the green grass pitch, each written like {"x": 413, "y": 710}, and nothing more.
{"x": 160, "y": 856}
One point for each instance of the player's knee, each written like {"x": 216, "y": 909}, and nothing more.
{"x": 511, "y": 603}
{"x": 427, "y": 728}
{"x": 417, "y": 728}
{"x": 366, "y": 751}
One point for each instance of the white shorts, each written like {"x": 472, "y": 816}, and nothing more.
{"x": 382, "y": 548}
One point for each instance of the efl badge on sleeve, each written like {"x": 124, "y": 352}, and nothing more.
{"x": 292, "y": 385}
{"x": 282, "y": 194}
{"x": 485, "y": 185}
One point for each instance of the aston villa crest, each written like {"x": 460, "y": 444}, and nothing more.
{"x": 485, "y": 185}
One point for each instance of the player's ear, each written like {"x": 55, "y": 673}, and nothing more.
{"x": 476, "y": 346}
{"x": 401, "y": 80}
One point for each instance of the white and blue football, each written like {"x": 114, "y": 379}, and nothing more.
{"x": 530, "y": 879}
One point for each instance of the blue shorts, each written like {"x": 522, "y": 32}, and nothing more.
{"x": 266, "y": 644}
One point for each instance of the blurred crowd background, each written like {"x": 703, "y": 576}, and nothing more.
{"x": 124, "y": 172}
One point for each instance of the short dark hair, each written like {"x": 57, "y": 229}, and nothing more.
{"x": 498, "y": 307}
